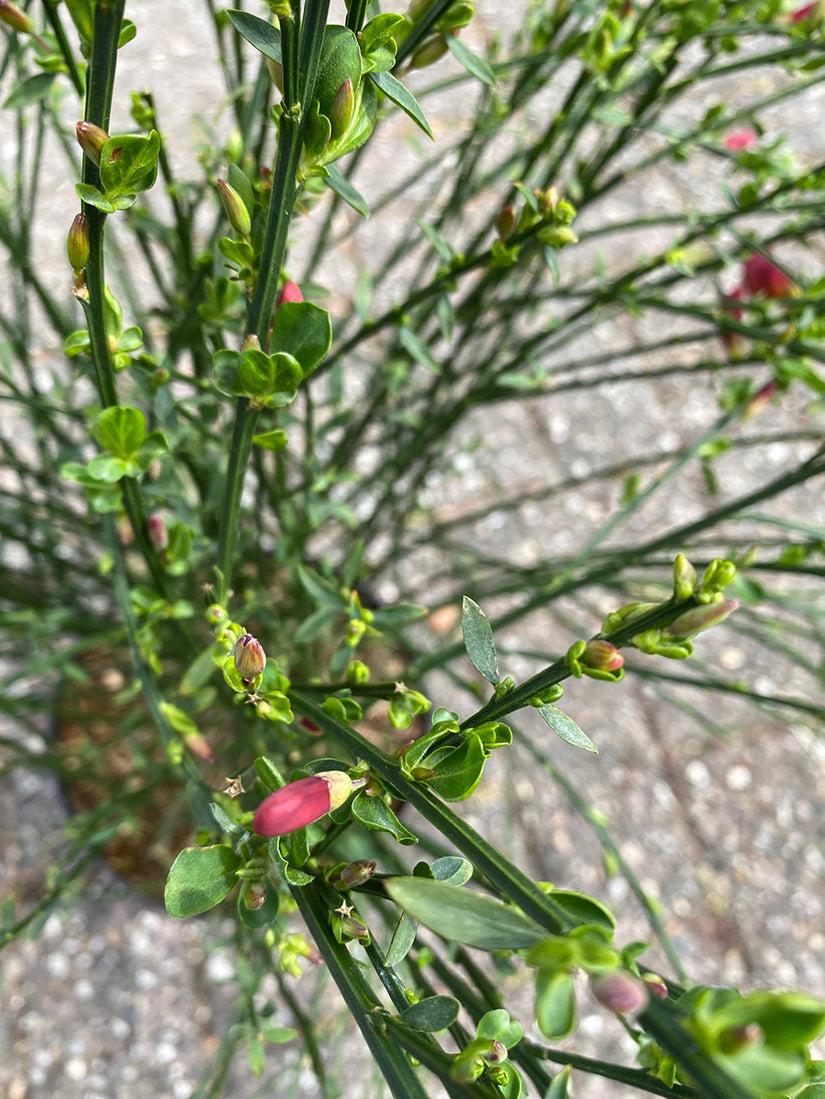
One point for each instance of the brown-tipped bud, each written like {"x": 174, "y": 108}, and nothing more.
{"x": 249, "y": 655}
{"x": 621, "y": 993}
{"x": 429, "y": 52}
{"x": 496, "y": 1054}
{"x": 700, "y": 618}
{"x": 684, "y": 578}
{"x": 737, "y": 1038}
{"x": 601, "y": 655}
{"x": 77, "y": 243}
{"x": 199, "y": 746}
{"x": 91, "y": 140}
{"x": 356, "y": 873}
{"x": 353, "y": 928}
{"x": 157, "y": 532}
{"x": 15, "y": 18}
{"x": 342, "y": 108}
{"x": 506, "y": 221}
{"x": 290, "y": 291}
{"x": 254, "y": 896}
{"x": 235, "y": 208}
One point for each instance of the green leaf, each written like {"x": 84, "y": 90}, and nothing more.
{"x": 200, "y": 878}
{"x": 813, "y": 1091}
{"x": 559, "y": 1086}
{"x": 765, "y": 1071}
{"x": 108, "y": 469}
{"x": 461, "y": 915}
{"x": 271, "y": 440}
{"x": 322, "y": 591}
{"x": 388, "y": 618}
{"x": 497, "y": 1025}
{"x": 129, "y": 164}
{"x": 459, "y": 773}
{"x": 376, "y": 815}
{"x": 476, "y": 66}
{"x": 393, "y": 89}
{"x": 566, "y": 727}
{"x": 584, "y": 909}
{"x": 265, "y": 38}
{"x": 345, "y": 190}
{"x": 120, "y": 429}
{"x": 417, "y": 349}
{"x": 180, "y": 721}
{"x": 478, "y": 640}
{"x": 452, "y": 869}
{"x": 555, "y": 1003}
{"x": 93, "y": 197}
{"x": 304, "y": 331}
{"x": 315, "y": 625}
{"x": 432, "y": 1014}
{"x": 402, "y": 939}
{"x": 33, "y": 89}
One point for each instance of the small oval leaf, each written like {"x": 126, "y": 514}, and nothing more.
{"x": 200, "y": 878}
{"x": 432, "y": 1014}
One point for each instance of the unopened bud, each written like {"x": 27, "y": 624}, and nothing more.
{"x": 684, "y": 578}
{"x": 700, "y": 618}
{"x": 342, "y": 108}
{"x": 15, "y": 18}
{"x": 356, "y": 873}
{"x": 91, "y": 140}
{"x": 199, "y": 746}
{"x": 158, "y": 534}
{"x": 301, "y": 802}
{"x": 235, "y": 208}
{"x": 496, "y": 1053}
{"x": 255, "y": 896}
{"x": 276, "y": 73}
{"x": 251, "y": 343}
{"x": 250, "y": 658}
{"x": 718, "y": 574}
{"x": 737, "y": 1038}
{"x": 429, "y": 52}
{"x": 357, "y": 672}
{"x": 621, "y": 993}
{"x": 506, "y": 221}
{"x": 353, "y": 928}
{"x": 764, "y": 277}
{"x": 601, "y": 655}
{"x": 656, "y": 985}
{"x": 77, "y": 242}
{"x": 290, "y": 291}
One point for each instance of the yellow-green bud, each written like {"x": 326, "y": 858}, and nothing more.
{"x": 91, "y": 140}
{"x": 429, "y": 52}
{"x": 77, "y": 243}
{"x": 684, "y": 578}
{"x": 235, "y": 208}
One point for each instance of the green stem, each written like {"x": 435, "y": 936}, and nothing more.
{"x": 66, "y": 52}
{"x": 241, "y": 445}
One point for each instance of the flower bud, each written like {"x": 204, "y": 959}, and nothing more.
{"x": 356, "y": 873}
{"x": 700, "y": 618}
{"x": 15, "y": 18}
{"x": 810, "y": 14}
{"x": 496, "y": 1053}
{"x": 601, "y": 655}
{"x": 290, "y": 291}
{"x": 351, "y": 927}
{"x": 342, "y": 109}
{"x": 255, "y": 896}
{"x": 621, "y": 993}
{"x": 301, "y": 803}
{"x": 684, "y": 578}
{"x": 91, "y": 140}
{"x": 199, "y": 746}
{"x": 77, "y": 242}
{"x": 719, "y": 573}
{"x": 738, "y": 140}
{"x": 763, "y": 277}
{"x": 760, "y": 399}
{"x": 655, "y": 985}
{"x": 250, "y": 658}
{"x": 506, "y": 221}
{"x": 429, "y": 52}
{"x": 235, "y": 208}
{"x": 157, "y": 532}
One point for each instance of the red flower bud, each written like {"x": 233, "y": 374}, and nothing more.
{"x": 290, "y": 291}
{"x": 250, "y": 658}
{"x": 300, "y": 803}
{"x": 158, "y": 534}
{"x": 764, "y": 277}
{"x": 621, "y": 993}
{"x": 91, "y": 140}
{"x": 738, "y": 140}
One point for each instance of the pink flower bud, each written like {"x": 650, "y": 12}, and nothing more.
{"x": 621, "y": 993}
{"x": 91, "y": 140}
{"x": 701, "y": 618}
{"x": 199, "y": 746}
{"x": 290, "y": 291}
{"x": 158, "y": 534}
{"x": 656, "y": 985}
{"x": 764, "y": 277}
{"x": 300, "y": 803}
{"x": 15, "y": 18}
{"x": 761, "y": 398}
{"x": 235, "y": 208}
{"x": 250, "y": 658}
{"x": 602, "y": 655}
{"x": 738, "y": 140}
{"x": 809, "y": 13}
{"x": 77, "y": 243}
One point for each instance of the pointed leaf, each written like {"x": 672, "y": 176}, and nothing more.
{"x": 31, "y": 90}
{"x": 345, "y": 190}
{"x": 566, "y": 728}
{"x": 200, "y": 878}
{"x": 476, "y": 66}
{"x": 376, "y": 815}
{"x": 393, "y": 89}
{"x": 262, "y": 35}
{"x": 271, "y": 440}
{"x": 464, "y": 916}
{"x": 478, "y": 640}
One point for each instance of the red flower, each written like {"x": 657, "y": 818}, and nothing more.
{"x": 764, "y": 277}
{"x": 300, "y": 803}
